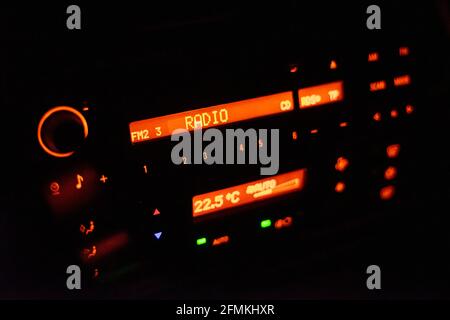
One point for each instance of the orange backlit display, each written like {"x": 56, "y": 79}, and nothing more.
{"x": 321, "y": 94}
{"x": 248, "y": 193}
{"x": 211, "y": 116}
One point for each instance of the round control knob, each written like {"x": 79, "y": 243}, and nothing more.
{"x": 61, "y": 131}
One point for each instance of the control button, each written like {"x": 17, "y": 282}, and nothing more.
{"x": 293, "y": 69}
{"x": 403, "y": 80}
{"x": 103, "y": 178}
{"x": 403, "y": 51}
{"x": 377, "y": 85}
{"x": 157, "y": 235}
{"x": 394, "y": 113}
{"x": 393, "y": 151}
{"x": 409, "y": 109}
{"x": 266, "y": 223}
{"x": 373, "y": 56}
{"x": 377, "y": 117}
{"x": 93, "y": 252}
{"x": 342, "y": 164}
{"x": 333, "y": 65}
{"x": 85, "y": 231}
{"x": 61, "y": 131}
{"x": 156, "y": 212}
{"x": 390, "y": 173}
{"x": 283, "y": 223}
{"x": 387, "y": 193}
{"x": 90, "y": 253}
{"x": 340, "y": 187}
{"x": 201, "y": 241}
{"x": 55, "y": 188}
{"x": 220, "y": 241}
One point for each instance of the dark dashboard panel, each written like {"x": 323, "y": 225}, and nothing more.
{"x": 362, "y": 173}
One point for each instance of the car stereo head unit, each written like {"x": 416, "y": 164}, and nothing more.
{"x": 227, "y": 152}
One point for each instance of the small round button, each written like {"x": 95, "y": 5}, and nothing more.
{"x": 61, "y": 131}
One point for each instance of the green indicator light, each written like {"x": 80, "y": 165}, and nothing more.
{"x": 266, "y": 223}
{"x": 201, "y": 241}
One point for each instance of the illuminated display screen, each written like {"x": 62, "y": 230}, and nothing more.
{"x": 247, "y": 193}
{"x": 321, "y": 94}
{"x": 211, "y": 116}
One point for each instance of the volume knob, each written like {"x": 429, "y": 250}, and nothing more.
{"x": 61, "y": 131}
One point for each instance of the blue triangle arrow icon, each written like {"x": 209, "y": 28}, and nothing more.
{"x": 158, "y": 235}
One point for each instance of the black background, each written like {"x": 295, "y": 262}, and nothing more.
{"x": 190, "y": 54}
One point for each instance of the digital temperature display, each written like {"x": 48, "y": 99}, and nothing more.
{"x": 247, "y": 193}
{"x": 211, "y": 116}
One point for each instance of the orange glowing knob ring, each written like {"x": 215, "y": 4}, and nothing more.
{"x": 52, "y": 112}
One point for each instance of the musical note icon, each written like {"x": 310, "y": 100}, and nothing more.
{"x": 79, "y": 182}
